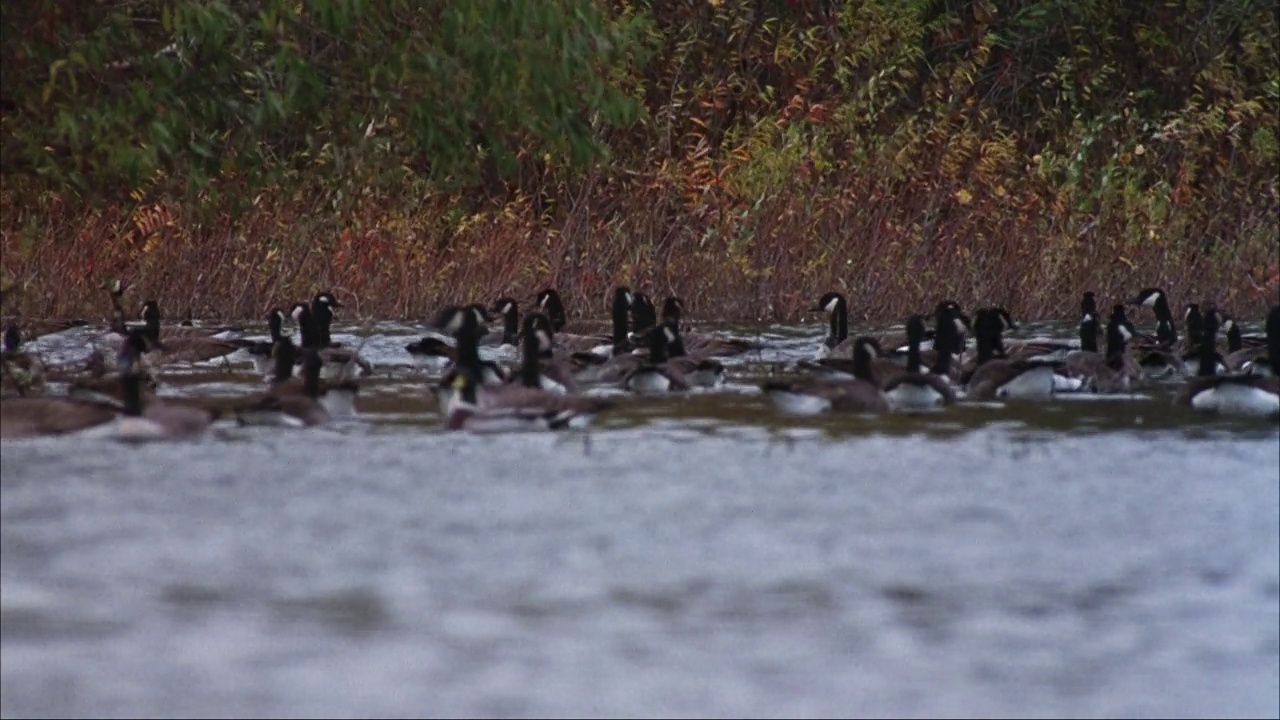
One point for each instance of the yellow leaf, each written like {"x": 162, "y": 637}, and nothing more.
{"x": 964, "y": 197}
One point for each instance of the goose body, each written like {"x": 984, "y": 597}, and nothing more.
{"x": 860, "y": 394}
{"x": 1235, "y": 394}
{"x": 915, "y": 389}
{"x": 996, "y": 377}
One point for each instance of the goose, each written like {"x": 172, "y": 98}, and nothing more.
{"x": 159, "y": 420}
{"x": 860, "y": 394}
{"x": 697, "y": 369}
{"x": 1158, "y": 356}
{"x": 549, "y": 302}
{"x": 1115, "y": 371}
{"x": 469, "y": 403}
{"x": 25, "y": 417}
{"x": 654, "y": 375}
{"x": 553, "y": 372}
{"x": 915, "y": 389}
{"x": 624, "y": 357}
{"x": 643, "y": 314}
{"x": 432, "y": 353}
{"x": 1245, "y": 356}
{"x": 484, "y": 409}
{"x": 837, "y": 309}
{"x": 260, "y": 351}
{"x": 1236, "y": 394}
{"x": 996, "y": 377}
{"x": 20, "y": 372}
{"x": 128, "y": 419}
{"x": 509, "y": 310}
{"x": 180, "y": 347}
{"x": 291, "y": 403}
{"x": 1049, "y": 350}
{"x": 698, "y": 344}
{"x": 339, "y": 362}
{"x": 464, "y": 324}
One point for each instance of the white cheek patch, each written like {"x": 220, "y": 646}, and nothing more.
{"x": 544, "y": 340}
{"x": 831, "y": 305}
{"x": 630, "y": 299}
{"x": 671, "y": 336}
{"x": 960, "y": 328}
{"x": 1151, "y": 301}
{"x": 506, "y": 309}
{"x": 454, "y": 324}
{"x": 1124, "y": 333}
{"x": 297, "y": 313}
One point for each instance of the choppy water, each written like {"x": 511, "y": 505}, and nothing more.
{"x": 689, "y": 556}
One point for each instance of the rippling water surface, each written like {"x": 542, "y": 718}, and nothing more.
{"x": 694, "y": 555}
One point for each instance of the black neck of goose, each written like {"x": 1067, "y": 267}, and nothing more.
{"x": 1195, "y": 326}
{"x": 862, "y": 364}
{"x": 944, "y": 336}
{"x": 468, "y": 389}
{"x": 530, "y": 372}
{"x": 322, "y": 317}
{"x": 307, "y": 330}
{"x": 618, "y": 315}
{"x": 987, "y": 336}
{"x": 677, "y": 346}
{"x": 1235, "y": 342}
{"x": 1089, "y": 334}
{"x": 1166, "y": 333}
{"x": 1088, "y": 305}
{"x": 657, "y": 346}
{"x": 311, "y": 373}
{"x": 554, "y": 310}
{"x": 839, "y": 325}
{"x": 131, "y": 384}
{"x": 275, "y": 328}
{"x": 913, "y": 353}
{"x": 469, "y": 348}
{"x": 1208, "y": 353}
{"x": 151, "y": 324}
{"x": 511, "y": 327}
{"x": 286, "y": 357}
{"x": 12, "y": 338}
{"x": 671, "y": 313}
{"x": 1115, "y": 345}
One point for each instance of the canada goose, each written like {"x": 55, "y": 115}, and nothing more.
{"x": 996, "y": 377}
{"x": 549, "y": 303}
{"x": 509, "y": 310}
{"x": 859, "y": 394}
{"x": 1256, "y": 361}
{"x": 20, "y": 372}
{"x": 1238, "y": 354}
{"x": 128, "y": 419}
{"x": 509, "y": 408}
{"x": 1048, "y": 350}
{"x": 547, "y": 369}
{"x": 260, "y": 351}
{"x": 837, "y": 309}
{"x": 24, "y": 417}
{"x": 1113, "y": 372}
{"x": 950, "y": 325}
{"x": 914, "y": 389}
{"x": 464, "y": 324}
{"x": 643, "y": 314}
{"x": 623, "y": 357}
{"x": 159, "y": 420}
{"x": 432, "y": 353}
{"x": 339, "y": 362}
{"x": 1237, "y": 394}
{"x": 702, "y": 344}
{"x": 1158, "y": 356}
{"x": 654, "y": 375}
{"x": 182, "y": 347}
{"x": 698, "y": 369}
{"x": 292, "y": 404}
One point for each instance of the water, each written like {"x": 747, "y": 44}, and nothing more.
{"x": 688, "y": 556}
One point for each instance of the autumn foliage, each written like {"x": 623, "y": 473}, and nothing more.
{"x": 746, "y": 155}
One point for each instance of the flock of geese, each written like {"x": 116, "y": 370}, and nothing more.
{"x": 944, "y": 356}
